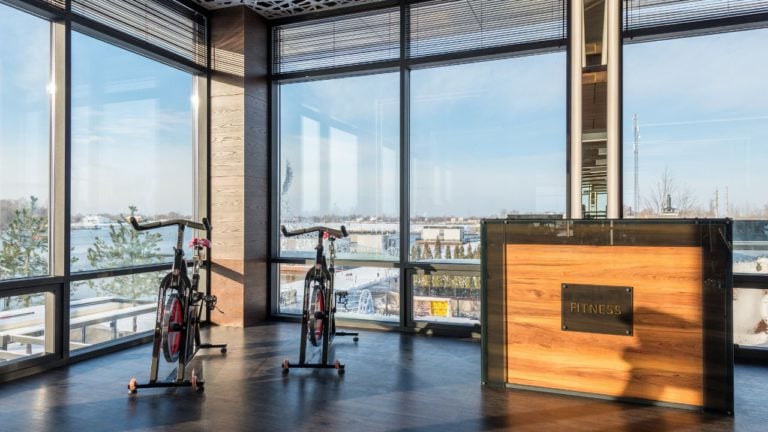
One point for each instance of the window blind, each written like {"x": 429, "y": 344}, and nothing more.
{"x": 441, "y": 27}
{"x": 165, "y": 24}
{"x": 359, "y": 38}
{"x": 649, "y": 14}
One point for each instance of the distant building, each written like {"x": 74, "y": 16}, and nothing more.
{"x": 448, "y": 235}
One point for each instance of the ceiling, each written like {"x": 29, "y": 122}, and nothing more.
{"x": 272, "y": 9}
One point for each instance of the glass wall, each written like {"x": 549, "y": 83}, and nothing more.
{"x": 106, "y": 309}
{"x": 133, "y": 154}
{"x": 695, "y": 131}
{"x": 25, "y": 84}
{"x": 487, "y": 140}
{"x": 133, "y": 150}
{"x": 446, "y": 297}
{"x": 22, "y": 326}
{"x": 750, "y": 317}
{"x": 339, "y": 164}
{"x": 371, "y": 293}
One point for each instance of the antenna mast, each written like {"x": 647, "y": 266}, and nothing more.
{"x": 637, "y": 147}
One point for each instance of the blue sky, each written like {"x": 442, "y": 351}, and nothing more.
{"x": 132, "y": 123}
{"x": 702, "y": 105}
{"x": 485, "y": 136}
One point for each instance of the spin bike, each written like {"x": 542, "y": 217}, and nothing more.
{"x": 179, "y": 308}
{"x": 318, "y": 319}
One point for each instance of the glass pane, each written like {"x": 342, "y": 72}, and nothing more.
{"x": 694, "y": 135}
{"x": 102, "y": 310}
{"x": 446, "y": 297}
{"x": 339, "y": 164}
{"x": 487, "y": 140}
{"x": 750, "y": 317}
{"x": 24, "y": 144}
{"x": 133, "y": 153}
{"x": 370, "y": 293}
{"x": 22, "y": 327}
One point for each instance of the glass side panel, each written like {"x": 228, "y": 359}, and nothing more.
{"x": 22, "y": 327}
{"x": 133, "y": 150}
{"x": 103, "y": 310}
{"x": 368, "y": 293}
{"x": 339, "y": 164}
{"x": 487, "y": 140}
{"x": 694, "y": 135}
{"x": 750, "y": 317}
{"x": 24, "y": 144}
{"x": 446, "y": 297}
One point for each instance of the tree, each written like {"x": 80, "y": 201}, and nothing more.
{"x": 438, "y": 249}
{"x": 427, "y": 252}
{"x": 669, "y": 197}
{"x": 448, "y": 253}
{"x": 25, "y": 246}
{"x": 285, "y": 208}
{"x": 126, "y": 247}
{"x": 469, "y": 254}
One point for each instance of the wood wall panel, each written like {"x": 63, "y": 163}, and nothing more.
{"x": 239, "y": 166}
{"x": 662, "y": 361}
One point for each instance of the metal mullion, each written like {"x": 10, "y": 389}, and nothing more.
{"x": 101, "y": 31}
{"x": 125, "y": 271}
{"x": 405, "y": 176}
{"x": 63, "y": 305}
{"x": 10, "y": 286}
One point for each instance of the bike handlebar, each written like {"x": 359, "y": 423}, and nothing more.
{"x": 181, "y": 222}
{"x": 338, "y": 233}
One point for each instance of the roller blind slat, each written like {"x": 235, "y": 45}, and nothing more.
{"x": 165, "y": 24}
{"x": 349, "y": 40}
{"x": 442, "y": 27}
{"x": 650, "y": 14}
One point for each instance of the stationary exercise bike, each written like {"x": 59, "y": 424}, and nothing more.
{"x": 318, "y": 319}
{"x": 179, "y": 308}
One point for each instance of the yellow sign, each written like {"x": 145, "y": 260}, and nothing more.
{"x": 440, "y": 308}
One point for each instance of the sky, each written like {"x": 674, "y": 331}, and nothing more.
{"x": 702, "y": 105}
{"x": 132, "y": 124}
{"x": 485, "y": 137}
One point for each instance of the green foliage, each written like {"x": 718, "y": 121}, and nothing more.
{"x": 25, "y": 243}
{"x": 126, "y": 247}
{"x": 24, "y": 250}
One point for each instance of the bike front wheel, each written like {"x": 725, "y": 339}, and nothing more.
{"x": 173, "y": 322}
{"x": 317, "y": 314}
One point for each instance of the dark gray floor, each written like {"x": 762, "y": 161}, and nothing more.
{"x": 393, "y": 382}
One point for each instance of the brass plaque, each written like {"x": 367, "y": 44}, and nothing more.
{"x": 597, "y": 309}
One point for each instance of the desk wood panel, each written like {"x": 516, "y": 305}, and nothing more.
{"x": 662, "y": 360}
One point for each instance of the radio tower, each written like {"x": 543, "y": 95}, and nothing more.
{"x": 637, "y": 182}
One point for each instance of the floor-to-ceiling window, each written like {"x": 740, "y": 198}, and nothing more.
{"x": 133, "y": 149}
{"x": 25, "y": 177}
{"x": 695, "y": 134}
{"x": 410, "y": 161}
{"x": 339, "y": 165}
{"x": 487, "y": 140}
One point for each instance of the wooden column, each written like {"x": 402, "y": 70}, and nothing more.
{"x": 239, "y": 166}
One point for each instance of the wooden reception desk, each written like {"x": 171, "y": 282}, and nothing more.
{"x": 635, "y": 310}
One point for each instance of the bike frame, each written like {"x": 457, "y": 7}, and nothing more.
{"x": 191, "y": 305}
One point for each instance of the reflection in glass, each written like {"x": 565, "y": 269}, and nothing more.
{"x": 133, "y": 153}
{"x": 369, "y": 293}
{"x": 700, "y": 137}
{"x": 487, "y": 140}
{"x": 102, "y": 310}
{"x": 24, "y": 144}
{"x": 750, "y": 317}
{"x": 446, "y": 297}
{"x": 339, "y": 164}
{"x": 22, "y": 327}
